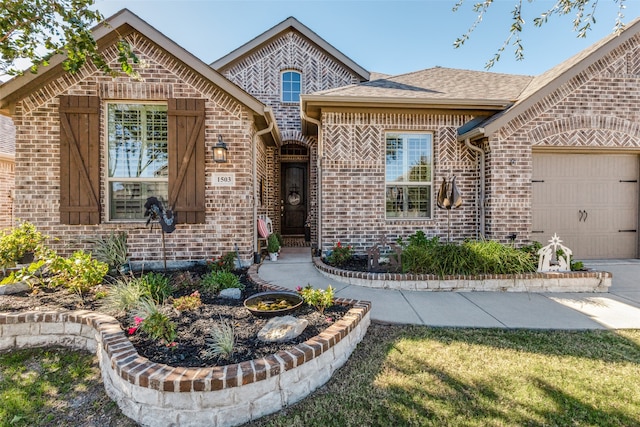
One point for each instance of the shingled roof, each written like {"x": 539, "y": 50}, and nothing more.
{"x": 551, "y": 80}
{"x": 443, "y": 88}
{"x": 440, "y": 83}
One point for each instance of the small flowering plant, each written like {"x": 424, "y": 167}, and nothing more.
{"x": 319, "y": 299}
{"x": 137, "y": 320}
{"x": 340, "y": 254}
{"x": 188, "y": 302}
{"x": 225, "y": 262}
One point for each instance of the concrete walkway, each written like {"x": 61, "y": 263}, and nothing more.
{"x": 617, "y": 309}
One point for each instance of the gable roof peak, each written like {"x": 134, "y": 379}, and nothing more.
{"x": 274, "y": 32}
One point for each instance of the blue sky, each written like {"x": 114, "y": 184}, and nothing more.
{"x": 389, "y": 36}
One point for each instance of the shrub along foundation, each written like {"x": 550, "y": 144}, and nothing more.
{"x": 570, "y": 281}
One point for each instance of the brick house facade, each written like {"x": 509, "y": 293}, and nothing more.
{"x": 531, "y": 155}
{"x": 217, "y": 219}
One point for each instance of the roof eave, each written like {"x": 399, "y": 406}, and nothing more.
{"x": 473, "y": 134}
{"x": 564, "y": 77}
{"x": 120, "y": 24}
{"x": 312, "y": 104}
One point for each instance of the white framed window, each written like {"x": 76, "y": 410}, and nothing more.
{"x": 291, "y": 86}
{"x": 409, "y": 175}
{"x": 137, "y": 158}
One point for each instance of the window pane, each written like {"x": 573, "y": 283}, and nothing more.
{"x": 137, "y": 158}
{"x": 137, "y": 141}
{"x": 408, "y": 202}
{"x": 128, "y": 198}
{"x": 291, "y": 86}
{"x": 408, "y": 161}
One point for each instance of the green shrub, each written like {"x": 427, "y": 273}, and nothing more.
{"x": 227, "y": 262}
{"x": 79, "y": 272}
{"x": 319, "y": 299}
{"x": 340, "y": 254}
{"x": 157, "y": 286}
{"x": 273, "y": 245}
{"x": 491, "y": 257}
{"x": 18, "y": 241}
{"x": 215, "y": 281}
{"x": 155, "y": 324}
{"x": 468, "y": 258}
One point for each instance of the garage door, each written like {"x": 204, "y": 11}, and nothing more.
{"x": 589, "y": 200}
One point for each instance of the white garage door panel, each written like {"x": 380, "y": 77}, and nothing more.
{"x": 589, "y": 200}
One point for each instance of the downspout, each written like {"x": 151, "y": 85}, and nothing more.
{"x": 319, "y": 177}
{"x": 254, "y": 173}
{"x": 481, "y": 212}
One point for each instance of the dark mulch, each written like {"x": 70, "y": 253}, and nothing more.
{"x": 193, "y": 327}
{"x": 360, "y": 263}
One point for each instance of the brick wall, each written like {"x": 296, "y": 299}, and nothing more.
{"x": 259, "y": 74}
{"x": 596, "y": 109}
{"x": 353, "y": 178}
{"x": 229, "y": 218}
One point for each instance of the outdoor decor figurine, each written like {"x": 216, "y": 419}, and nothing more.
{"x": 156, "y": 212}
{"x": 373, "y": 255}
{"x": 448, "y": 198}
{"x": 554, "y": 256}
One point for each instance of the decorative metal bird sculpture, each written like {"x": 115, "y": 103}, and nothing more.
{"x": 449, "y": 197}
{"x": 156, "y": 212}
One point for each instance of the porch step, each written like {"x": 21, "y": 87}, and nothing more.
{"x": 295, "y": 242}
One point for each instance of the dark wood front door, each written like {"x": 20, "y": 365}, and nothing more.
{"x": 294, "y": 197}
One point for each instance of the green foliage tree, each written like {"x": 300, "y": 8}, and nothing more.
{"x": 584, "y": 17}
{"x": 36, "y": 30}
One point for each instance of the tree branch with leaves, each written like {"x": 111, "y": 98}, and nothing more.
{"x": 584, "y": 10}
{"x": 36, "y": 30}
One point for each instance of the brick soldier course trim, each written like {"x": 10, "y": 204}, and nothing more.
{"x": 157, "y": 395}
{"x": 570, "y": 281}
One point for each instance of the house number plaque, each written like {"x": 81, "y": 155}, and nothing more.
{"x": 224, "y": 179}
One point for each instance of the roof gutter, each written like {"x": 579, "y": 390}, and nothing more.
{"x": 473, "y": 134}
{"x": 318, "y": 101}
{"x": 254, "y": 175}
{"x": 320, "y": 159}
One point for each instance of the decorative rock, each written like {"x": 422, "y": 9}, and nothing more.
{"x": 281, "y": 329}
{"x": 231, "y": 293}
{"x": 14, "y": 288}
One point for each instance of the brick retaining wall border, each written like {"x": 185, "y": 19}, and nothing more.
{"x": 155, "y": 394}
{"x": 570, "y": 281}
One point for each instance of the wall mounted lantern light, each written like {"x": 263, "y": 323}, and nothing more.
{"x": 220, "y": 151}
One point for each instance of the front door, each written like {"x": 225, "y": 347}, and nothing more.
{"x": 293, "y": 197}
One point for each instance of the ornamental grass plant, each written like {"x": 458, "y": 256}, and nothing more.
{"x": 423, "y": 255}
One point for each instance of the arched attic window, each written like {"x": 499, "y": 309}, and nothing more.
{"x": 291, "y": 86}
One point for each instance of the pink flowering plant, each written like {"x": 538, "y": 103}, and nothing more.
{"x": 137, "y": 320}
{"x": 340, "y": 254}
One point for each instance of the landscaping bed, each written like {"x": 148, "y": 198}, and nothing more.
{"x": 193, "y": 327}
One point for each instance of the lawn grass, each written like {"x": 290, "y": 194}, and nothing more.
{"x": 397, "y": 376}
{"x": 54, "y": 387}
{"x": 420, "y": 376}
